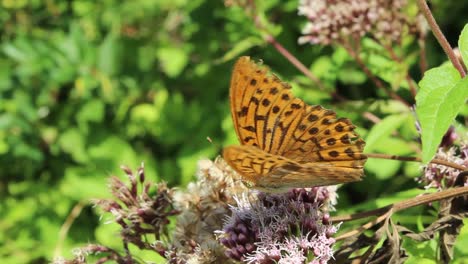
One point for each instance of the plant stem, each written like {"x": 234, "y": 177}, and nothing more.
{"x": 399, "y": 206}
{"x": 283, "y": 51}
{"x": 75, "y": 212}
{"x": 422, "y": 52}
{"x": 415, "y": 159}
{"x": 440, "y": 37}
{"x": 386, "y": 211}
{"x": 294, "y": 61}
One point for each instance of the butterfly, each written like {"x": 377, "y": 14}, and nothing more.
{"x": 286, "y": 143}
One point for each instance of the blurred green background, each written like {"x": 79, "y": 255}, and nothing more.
{"x": 87, "y": 86}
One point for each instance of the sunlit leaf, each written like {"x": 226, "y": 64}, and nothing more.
{"x": 440, "y": 98}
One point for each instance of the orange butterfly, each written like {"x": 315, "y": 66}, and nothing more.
{"x": 285, "y": 142}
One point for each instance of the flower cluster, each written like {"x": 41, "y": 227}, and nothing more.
{"x": 442, "y": 177}
{"x": 262, "y": 228}
{"x": 203, "y": 207}
{"x": 141, "y": 212}
{"x": 332, "y": 21}
{"x": 138, "y": 212}
{"x": 281, "y": 228}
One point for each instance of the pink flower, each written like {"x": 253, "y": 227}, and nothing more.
{"x": 332, "y": 21}
{"x": 280, "y": 228}
{"x": 442, "y": 177}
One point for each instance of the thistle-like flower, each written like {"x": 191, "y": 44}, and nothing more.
{"x": 136, "y": 210}
{"x": 442, "y": 177}
{"x": 332, "y": 21}
{"x": 203, "y": 207}
{"x": 141, "y": 212}
{"x": 280, "y": 228}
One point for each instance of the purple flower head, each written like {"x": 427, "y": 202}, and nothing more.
{"x": 280, "y": 228}
{"x": 442, "y": 177}
{"x": 332, "y": 21}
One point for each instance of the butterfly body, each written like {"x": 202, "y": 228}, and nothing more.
{"x": 285, "y": 142}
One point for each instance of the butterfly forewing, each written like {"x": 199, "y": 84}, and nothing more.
{"x": 287, "y": 143}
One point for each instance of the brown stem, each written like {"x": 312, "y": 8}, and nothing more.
{"x": 75, "y": 212}
{"x": 415, "y": 159}
{"x": 380, "y": 218}
{"x": 371, "y": 117}
{"x": 283, "y": 51}
{"x": 294, "y": 61}
{"x": 422, "y": 52}
{"x": 399, "y": 206}
{"x": 386, "y": 211}
{"x": 371, "y": 76}
{"x": 440, "y": 36}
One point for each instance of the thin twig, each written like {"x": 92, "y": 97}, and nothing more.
{"x": 415, "y": 159}
{"x": 75, "y": 212}
{"x": 422, "y": 52}
{"x": 399, "y": 206}
{"x": 440, "y": 37}
{"x": 286, "y": 54}
{"x": 371, "y": 117}
{"x": 294, "y": 61}
{"x": 386, "y": 211}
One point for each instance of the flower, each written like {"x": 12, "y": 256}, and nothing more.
{"x": 440, "y": 176}
{"x": 332, "y": 21}
{"x": 137, "y": 210}
{"x": 280, "y": 228}
{"x": 203, "y": 207}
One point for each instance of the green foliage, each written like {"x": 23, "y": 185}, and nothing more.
{"x": 440, "y": 99}
{"x": 86, "y": 86}
{"x": 463, "y": 44}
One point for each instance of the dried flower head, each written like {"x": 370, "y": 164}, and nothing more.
{"x": 142, "y": 213}
{"x": 332, "y": 21}
{"x": 280, "y": 228}
{"x": 203, "y": 207}
{"x": 442, "y": 177}
{"x": 137, "y": 210}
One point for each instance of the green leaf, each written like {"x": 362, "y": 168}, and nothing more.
{"x": 145, "y": 113}
{"x": 383, "y": 169}
{"x": 383, "y": 129}
{"x": 111, "y": 152}
{"x": 412, "y": 169}
{"x": 394, "y": 146}
{"x": 463, "y": 44}
{"x": 240, "y": 48}
{"x": 91, "y": 111}
{"x": 79, "y": 183}
{"x": 173, "y": 60}
{"x": 109, "y": 55}
{"x": 420, "y": 252}
{"x": 73, "y": 143}
{"x": 351, "y": 75}
{"x": 462, "y": 240}
{"x": 441, "y": 96}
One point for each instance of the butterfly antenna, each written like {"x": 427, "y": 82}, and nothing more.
{"x": 215, "y": 144}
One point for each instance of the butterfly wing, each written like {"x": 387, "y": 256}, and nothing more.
{"x": 262, "y": 107}
{"x": 322, "y": 137}
{"x": 273, "y": 173}
{"x": 275, "y": 127}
